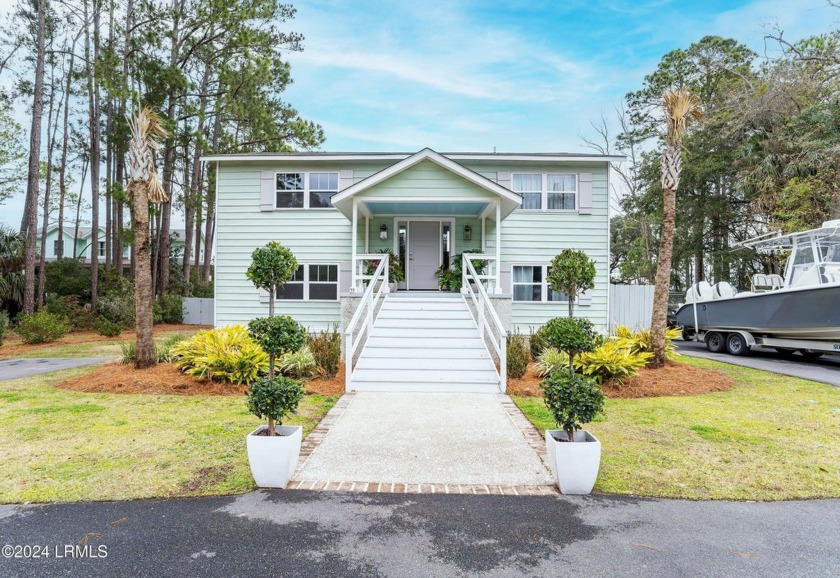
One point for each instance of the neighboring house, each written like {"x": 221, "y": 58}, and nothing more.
{"x": 83, "y": 243}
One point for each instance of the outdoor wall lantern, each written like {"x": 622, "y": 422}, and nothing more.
{"x": 467, "y": 233}
{"x": 383, "y": 232}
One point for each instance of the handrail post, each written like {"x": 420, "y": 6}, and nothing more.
{"x": 464, "y": 281}
{"x": 503, "y": 363}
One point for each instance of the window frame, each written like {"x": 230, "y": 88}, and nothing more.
{"x": 101, "y": 249}
{"x": 306, "y": 282}
{"x": 307, "y": 190}
{"x": 545, "y": 288}
{"x": 545, "y": 192}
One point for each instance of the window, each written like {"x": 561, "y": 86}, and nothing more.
{"x": 547, "y": 191}
{"x": 101, "y": 248}
{"x": 55, "y": 247}
{"x": 312, "y": 282}
{"x": 305, "y": 190}
{"x": 529, "y": 284}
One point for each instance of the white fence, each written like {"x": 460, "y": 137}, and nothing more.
{"x": 198, "y": 311}
{"x": 631, "y": 305}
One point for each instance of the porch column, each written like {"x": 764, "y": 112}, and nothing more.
{"x": 483, "y": 234}
{"x": 354, "y": 234}
{"x": 367, "y": 234}
{"x": 498, "y": 288}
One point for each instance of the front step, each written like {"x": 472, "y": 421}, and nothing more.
{"x": 425, "y": 345}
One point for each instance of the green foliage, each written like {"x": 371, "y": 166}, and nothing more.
{"x": 11, "y": 269}
{"x": 574, "y": 335}
{"x": 274, "y": 398}
{"x": 299, "y": 364}
{"x": 326, "y": 348}
{"x": 277, "y": 335}
{"x": 163, "y": 350}
{"x": 271, "y": 266}
{"x": 227, "y": 354}
{"x": 518, "y": 355}
{"x": 4, "y": 323}
{"x": 552, "y": 360}
{"x": 537, "y": 341}
{"x": 107, "y": 328}
{"x": 395, "y": 271}
{"x": 168, "y": 308}
{"x": 201, "y": 289}
{"x": 572, "y": 400}
{"x": 67, "y": 276}
{"x": 571, "y": 272}
{"x": 451, "y": 278}
{"x": 612, "y": 361}
{"x": 81, "y": 318}
{"x": 128, "y": 349}
{"x": 639, "y": 342}
{"x": 41, "y": 327}
{"x": 116, "y": 302}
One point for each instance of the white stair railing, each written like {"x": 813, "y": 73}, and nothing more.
{"x": 492, "y": 274}
{"x": 473, "y": 288}
{"x": 365, "y": 312}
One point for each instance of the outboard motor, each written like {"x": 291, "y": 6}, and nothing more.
{"x": 723, "y": 290}
{"x": 701, "y": 291}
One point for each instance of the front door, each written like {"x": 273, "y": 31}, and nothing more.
{"x": 424, "y": 254}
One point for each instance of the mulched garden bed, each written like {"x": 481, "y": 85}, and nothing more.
{"x": 675, "y": 379}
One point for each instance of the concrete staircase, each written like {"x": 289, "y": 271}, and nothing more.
{"x": 425, "y": 343}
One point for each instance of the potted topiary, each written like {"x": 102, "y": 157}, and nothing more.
{"x": 573, "y": 335}
{"x": 574, "y": 455}
{"x": 273, "y": 450}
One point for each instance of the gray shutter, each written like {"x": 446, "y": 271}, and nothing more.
{"x": 268, "y": 191}
{"x": 585, "y": 193}
{"x": 503, "y": 179}
{"x": 345, "y": 179}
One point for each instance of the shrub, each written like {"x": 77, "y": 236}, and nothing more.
{"x": 67, "y": 276}
{"x": 537, "y": 342}
{"x": 201, "y": 289}
{"x": 41, "y": 327}
{"x": 107, "y": 328}
{"x": 4, "y": 323}
{"x": 518, "y": 355}
{"x": 276, "y": 336}
{"x": 118, "y": 308}
{"x": 271, "y": 266}
{"x": 639, "y": 342}
{"x": 81, "y": 318}
{"x": 163, "y": 350}
{"x": 572, "y": 399}
{"x": 571, "y": 272}
{"x": 574, "y": 335}
{"x": 224, "y": 354}
{"x": 129, "y": 351}
{"x": 168, "y": 308}
{"x": 551, "y": 361}
{"x": 298, "y": 364}
{"x": 274, "y": 399}
{"x": 612, "y": 362}
{"x": 451, "y": 278}
{"x": 326, "y": 348}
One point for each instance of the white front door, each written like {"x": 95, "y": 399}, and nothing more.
{"x": 424, "y": 254}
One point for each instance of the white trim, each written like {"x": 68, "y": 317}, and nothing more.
{"x": 545, "y": 289}
{"x": 331, "y": 157}
{"x": 306, "y": 189}
{"x": 306, "y": 282}
{"x": 452, "y": 221}
{"x": 544, "y": 192}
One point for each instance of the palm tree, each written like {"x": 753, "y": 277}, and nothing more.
{"x": 681, "y": 107}
{"x": 11, "y": 269}
{"x": 144, "y": 187}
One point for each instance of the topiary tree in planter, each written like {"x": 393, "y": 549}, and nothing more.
{"x": 271, "y": 266}
{"x": 573, "y": 400}
{"x": 276, "y": 336}
{"x": 274, "y": 399}
{"x": 571, "y": 272}
{"x": 574, "y": 335}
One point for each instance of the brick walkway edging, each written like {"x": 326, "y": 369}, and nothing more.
{"x": 314, "y": 439}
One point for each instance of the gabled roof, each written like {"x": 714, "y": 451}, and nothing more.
{"x": 329, "y": 156}
{"x": 343, "y": 201}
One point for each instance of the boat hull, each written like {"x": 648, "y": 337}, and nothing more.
{"x": 811, "y": 313}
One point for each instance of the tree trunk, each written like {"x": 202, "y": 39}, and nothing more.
{"x": 30, "y": 220}
{"x": 93, "y": 109}
{"x": 78, "y": 210}
{"x": 193, "y": 199}
{"x": 142, "y": 278}
{"x": 570, "y": 433}
{"x": 271, "y": 431}
{"x": 42, "y": 280}
{"x": 65, "y": 137}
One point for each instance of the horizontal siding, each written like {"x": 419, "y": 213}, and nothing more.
{"x": 429, "y": 180}
{"x": 525, "y": 316}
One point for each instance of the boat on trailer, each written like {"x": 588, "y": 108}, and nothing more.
{"x": 797, "y": 311}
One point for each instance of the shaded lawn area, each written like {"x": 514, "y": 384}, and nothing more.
{"x": 771, "y": 437}
{"x": 60, "y": 445}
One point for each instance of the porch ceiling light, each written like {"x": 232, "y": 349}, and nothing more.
{"x": 383, "y": 232}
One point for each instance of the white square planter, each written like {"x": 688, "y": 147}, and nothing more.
{"x": 273, "y": 458}
{"x": 575, "y": 465}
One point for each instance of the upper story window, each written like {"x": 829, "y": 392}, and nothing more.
{"x": 305, "y": 190}
{"x": 546, "y": 191}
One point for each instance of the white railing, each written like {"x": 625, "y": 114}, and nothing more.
{"x": 484, "y": 312}
{"x": 490, "y": 277}
{"x": 364, "y": 262}
{"x": 376, "y": 287}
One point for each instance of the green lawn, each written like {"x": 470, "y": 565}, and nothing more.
{"x": 771, "y": 437}
{"x": 110, "y": 348}
{"x": 60, "y": 445}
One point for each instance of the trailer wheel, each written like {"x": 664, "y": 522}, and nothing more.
{"x": 715, "y": 342}
{"x": 810, "y": 354}
{"x": 736, "y": 344}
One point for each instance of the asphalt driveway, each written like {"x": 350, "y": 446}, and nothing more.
{"x": 17, "y": 368}
{"x": 299, "y": 533}
{"x": 824, "y": 370}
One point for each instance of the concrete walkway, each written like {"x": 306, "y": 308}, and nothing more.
{"x": 17, "y": 368}
{"x": 427, "y": 438}
{"x": 299, "y": 533}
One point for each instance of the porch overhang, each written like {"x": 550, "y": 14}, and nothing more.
{"x": 420, "y": 202}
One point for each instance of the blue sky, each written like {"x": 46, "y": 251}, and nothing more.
{"x": 516, "y": 75}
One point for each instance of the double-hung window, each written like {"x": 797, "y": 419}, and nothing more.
{"x": 546, "y": 191}
{"x": 312, "y": 282}
{"x": 530, "y": 284}
{"x": 305, "y": 190}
